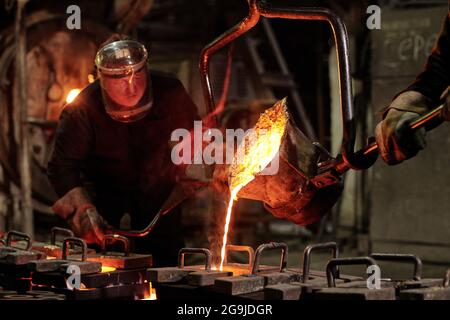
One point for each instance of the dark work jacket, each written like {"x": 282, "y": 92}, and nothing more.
{"x": 435, "y": 77}
{"x": 126, "y": 167}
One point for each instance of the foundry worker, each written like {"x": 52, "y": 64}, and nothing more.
{"x": 395, "y": 140}
{"x": 112, "y": 153}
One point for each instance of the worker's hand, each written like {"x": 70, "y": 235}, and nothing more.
{"x": 76, "y": 207}
{"x": 68, "y": 204}
{"x": 396, "y": 141}
{"x": 88, "y": 224}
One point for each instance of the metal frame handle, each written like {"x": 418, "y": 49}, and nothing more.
{"x": 271, "y": 246}
{"x": 318, "y": 247}
{"x": 236, "y": 248}
{"x": 204, "y": 251}
{"x": 73, "y": 240}
{"x": 62, "y": 231}
{"x": 258, "y": 8}
{"x": 20, "y": 235}
{"x": 400, "y": 257}
{"x": 112, "y": 238}
{"x": 333, "y": 263}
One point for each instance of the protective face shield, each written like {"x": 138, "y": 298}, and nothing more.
{"x": 124, "y": 80}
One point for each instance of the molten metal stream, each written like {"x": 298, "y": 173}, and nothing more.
{"x": 227, "y": 224}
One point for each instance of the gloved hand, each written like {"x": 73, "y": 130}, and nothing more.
{"x": 88, "y": 224}
{"x": 76, "y": 207}
{"x": 396, "y": 141}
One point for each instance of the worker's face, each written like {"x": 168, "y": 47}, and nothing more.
{"x": 128, "y": 90}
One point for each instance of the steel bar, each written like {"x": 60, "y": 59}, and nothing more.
{"x": 63, "y": 231}
{"x": 18, "y": 235}
{"x": 316, "y": 247}
{"x": 203, "y": 251}
{"x": 270, "y": 246}
{"x": 402, "y": 258}
{"x": 113, "y": 238}
{"x": 249, "y": 250}
{"x": 77, "y": 241}
{"x": 345, "y": 261}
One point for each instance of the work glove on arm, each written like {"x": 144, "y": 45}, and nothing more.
{"x": 396, "y": 141}
{"x": 82, "y": 216}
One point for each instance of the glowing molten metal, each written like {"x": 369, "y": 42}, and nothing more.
{"x": 256, "y": 151}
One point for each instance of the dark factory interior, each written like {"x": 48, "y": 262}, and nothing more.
{"x": 226, "y": 150}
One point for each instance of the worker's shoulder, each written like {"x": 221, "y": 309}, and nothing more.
{"x": 165, "y": 79}
{"x": 86, "y": 99}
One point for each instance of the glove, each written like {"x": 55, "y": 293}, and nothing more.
{"x": 88, "y": 224}
{"x": 77, "y": 209}
{"x": 396, "y": 141}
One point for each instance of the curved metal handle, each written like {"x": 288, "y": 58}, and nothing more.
{"x": 203, "y": 251}
{"x": 73, "y": 240}
{"x": 180, "y": 193}
{"x": 112, "y": 238}
{"x": 228, "y": 36}
{"x": 333, "y": 263}
{"x": 271, "y": 246}
{"x": 62, "y": 231}
{"x": 232, "y": 247}
{"x": 258, "y": 8}
{"x": 399, "y": 257}
{"x": 446, "y": 279}
{"x": 18, "y": 235}
{"x": 318, "y": 247}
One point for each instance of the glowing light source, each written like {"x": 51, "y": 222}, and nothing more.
{"x": 106, "y": 269}
{"x": 72, "y": 95}
{"x": 152, "y": 293}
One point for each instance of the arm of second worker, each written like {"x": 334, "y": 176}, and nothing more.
{"x": 434, "y": 79}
